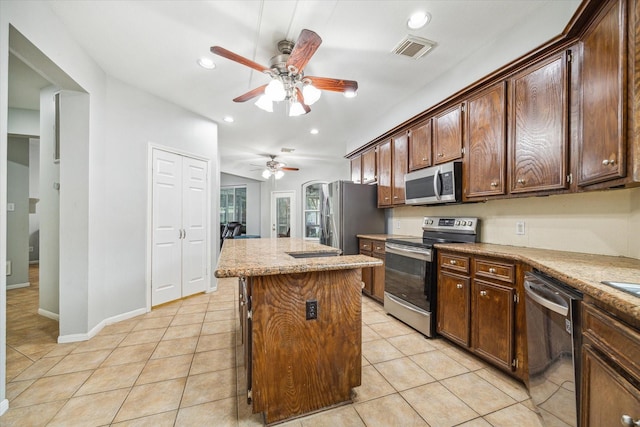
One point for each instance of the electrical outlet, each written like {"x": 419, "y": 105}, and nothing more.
{"x": 520, "y": 230}
{"x": 11, "y": 207}
{"x": 30, "y": 248}
{"x": 312, "y": 309}
{"x": 397, "y": 224}
{"x": 8, "y": 268}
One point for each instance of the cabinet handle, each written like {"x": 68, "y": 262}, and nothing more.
{"x": 608, "y": 162}
{"x": 453, "y": 262}
{"x": 494, "y": 184}
{"x": 626, "y": 420}
{"x": 440, "y": 154}
{"x": 483, "y": 293}
{"x": 395, "y": 197}
{"x": 492, "y": 270}
{"x": 424, "y": 159}
{"x": 521, "y": 181}
{"x": 459, "y": 286}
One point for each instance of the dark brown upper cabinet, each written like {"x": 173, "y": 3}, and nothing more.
{"x": 486, "y": 143}
{"x": 400, "y": 160}
{"x": 384, "y": 174}
{"x": 356, "y": 169}
{"x": 447, "y": 135}
{"x": 602, "y": 151}
{"x": 369, "y": 166}
{"x": 420, "y": 146}
{"x": 538, "y": 140}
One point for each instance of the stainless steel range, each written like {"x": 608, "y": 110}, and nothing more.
{"x": 410, "y": 270}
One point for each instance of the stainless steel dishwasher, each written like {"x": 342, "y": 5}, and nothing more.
{"x": 553, "y": 342}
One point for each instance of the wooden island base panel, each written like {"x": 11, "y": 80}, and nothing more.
{"x": 300, "y": 329}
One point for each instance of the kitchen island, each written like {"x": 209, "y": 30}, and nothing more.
{"x": 300, "y": 323}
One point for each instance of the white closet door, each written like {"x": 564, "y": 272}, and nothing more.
{"x": 194, "y": 223}
{"x": 166, "y": 256}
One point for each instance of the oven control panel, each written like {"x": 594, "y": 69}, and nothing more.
{"x": 452, "y": 224}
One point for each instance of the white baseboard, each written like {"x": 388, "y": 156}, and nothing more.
{"x": 49, "y": 314}
{"x": 94, "y": 331}
{"x": 19, "y": 285}
{"x": 4, "y": 406}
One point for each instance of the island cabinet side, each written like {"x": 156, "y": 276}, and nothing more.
{"x": 302, "y": 365}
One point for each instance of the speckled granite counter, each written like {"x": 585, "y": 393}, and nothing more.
{"x": 264, "y": 257}
{"x": 581, "y": 271}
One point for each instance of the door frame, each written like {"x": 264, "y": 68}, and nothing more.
{"x": 293, "y": 226}
{"x": 154, "y": 146}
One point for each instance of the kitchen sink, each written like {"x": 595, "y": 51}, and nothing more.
{"x": 312, "y": 254}
{"x": 632, "y": 288}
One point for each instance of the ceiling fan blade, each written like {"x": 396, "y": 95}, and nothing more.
{"x": 333, "y": 85}
{"x": 218, "y": 50}
{"x": 251, "y": 94}
{"x": 300, "y": 99}
{"x": 284, "y": 168}
{"x": 306, "y": 45}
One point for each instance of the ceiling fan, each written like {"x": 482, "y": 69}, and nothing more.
{"x": 288, "y": 82}
{"x": 275, "y": 168}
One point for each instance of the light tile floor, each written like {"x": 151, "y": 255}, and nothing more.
{"x": 175, "y": 366}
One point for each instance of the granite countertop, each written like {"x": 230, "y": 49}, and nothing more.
{"x": 581, "y": 271}
{"x": 264, "y": 257}
{"x": 383, "y": 237}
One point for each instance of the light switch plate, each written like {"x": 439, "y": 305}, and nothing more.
{"x": 520, "y": 230}
{"x": 11, "y": 207}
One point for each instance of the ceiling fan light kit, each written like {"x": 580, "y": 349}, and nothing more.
{"x": 288, "y": 82}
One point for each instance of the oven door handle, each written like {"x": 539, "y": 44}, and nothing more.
{"x": 436, "y": 182}
{"x": 421, "y": 254}
{"x": 402, "y": 302}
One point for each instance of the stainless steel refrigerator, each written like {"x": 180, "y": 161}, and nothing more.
{"x": 346, "y": 210}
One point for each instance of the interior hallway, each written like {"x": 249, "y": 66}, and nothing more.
{"x": 175, "y": 366}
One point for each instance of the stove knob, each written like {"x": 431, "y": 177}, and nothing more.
{"x": 470, "y": 223}
{"x": 463, "y": 223}
{"x": 457, "y": 222}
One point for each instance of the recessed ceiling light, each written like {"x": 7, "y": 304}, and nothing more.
{"x": 418, "y": 20}
{"x": 228, "y": 119}
{"x": 314, "y": 131}
{"x": 207, "y": 63}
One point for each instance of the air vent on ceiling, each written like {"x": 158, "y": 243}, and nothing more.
{"x": 287, "y": 150}
{"x": 413, "y": 47}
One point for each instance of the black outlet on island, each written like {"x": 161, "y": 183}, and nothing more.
{"x": 312, "y": 309}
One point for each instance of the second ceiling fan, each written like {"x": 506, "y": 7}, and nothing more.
{"x": 288, "y": 82}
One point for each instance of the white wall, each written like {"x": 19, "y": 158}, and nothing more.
{"x": 23, "y": 122}
{"x": 137, "y": 119}
{"x": 253, "y": 199}
{"x": 604, "y": 222}
{"x": 18, "y": 220}
{"x": 108, "y": 183}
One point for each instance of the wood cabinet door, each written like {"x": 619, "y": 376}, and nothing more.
{"x": 377, "y": 281}
{"x": 606, "y": 395}
{"x": 356, "y": 169}
{"x": 603, "y": 80}
{"x": 384, "y": 173}
{"x": 369, "y": 166}
{"x": 486, "y": 143}
{"x": 538, "y": 135}
{"x": 493, "y": 322}
{"x": 399, "y": 168}
{"x": 454, "y": 307}
{"x": 447, "y": 135}
{"x": 420, "y": 146}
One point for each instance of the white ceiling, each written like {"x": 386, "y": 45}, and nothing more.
{"x": 154, "y": 45}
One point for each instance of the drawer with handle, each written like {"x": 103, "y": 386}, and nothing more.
{"x": 454, "y": 262}
{"x": 494, "y": 270}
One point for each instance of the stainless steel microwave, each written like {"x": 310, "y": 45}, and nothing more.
{"x": 433, "y": 185}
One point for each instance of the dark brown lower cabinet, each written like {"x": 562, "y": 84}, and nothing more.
{"x": 478, "y": 308}
{"x": 610, "y": 370}
{"x": 373, "y": 277}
